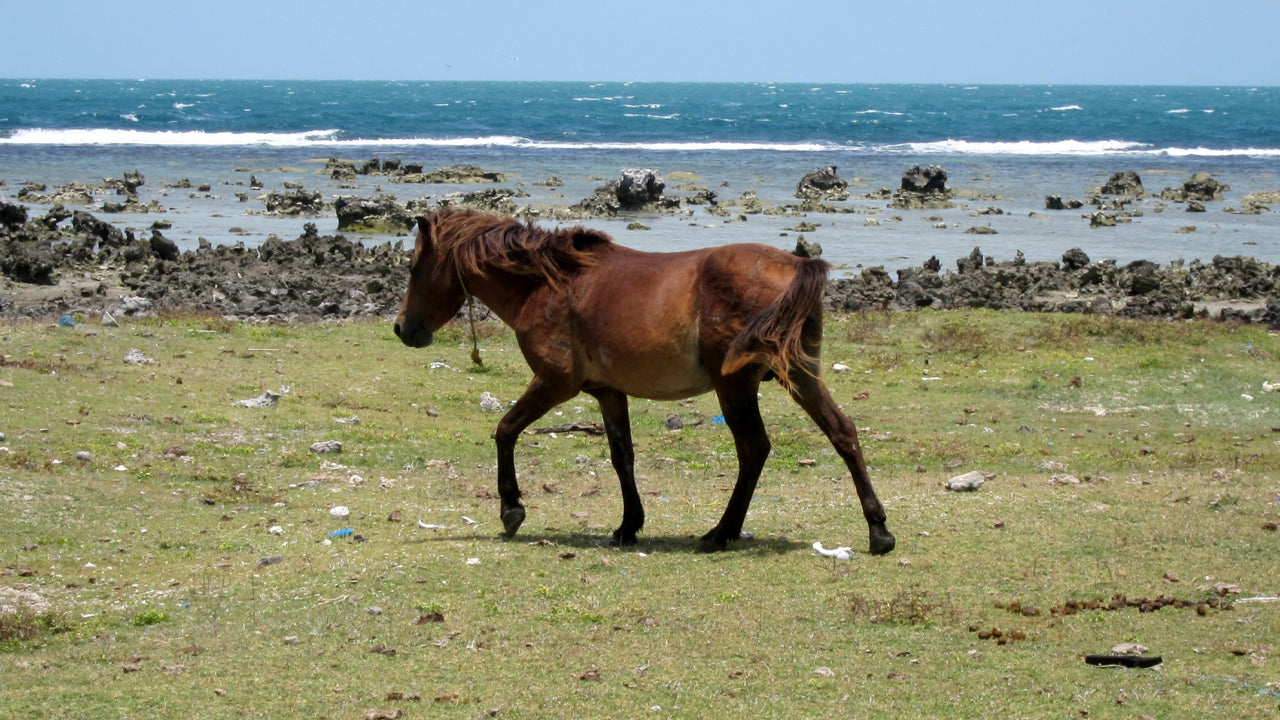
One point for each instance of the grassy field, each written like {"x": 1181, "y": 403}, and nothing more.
{"x": 174, "y": 548}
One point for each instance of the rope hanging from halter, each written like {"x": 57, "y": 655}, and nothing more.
{"x": 471, "y": 319}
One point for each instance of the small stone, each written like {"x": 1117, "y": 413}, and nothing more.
{"x": 291, "y": 640}
{"x": 327, "y": 446}
{"x": 271, "y": 560}
{"x": 339, "y": 512}
{"x": 969, "y": 481}
{"x": 82, "y": 456}
{"x": 275, "y": 530}
{"x": 1129, "y": 649}
{"x": 674, "y": 422}
{"x": 265, "y": 400}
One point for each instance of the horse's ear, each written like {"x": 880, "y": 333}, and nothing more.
{"x": 424, "y": 229}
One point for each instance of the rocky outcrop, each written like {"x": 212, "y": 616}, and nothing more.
{"x": 51, "y": 266}
{"x": 1127, "y": 183}
{"x": 293, "y": 202}
{"x": 452, "y": 175}
{"x": 822, "y": 184}
{"x": 1139, "y": 289}
{"x": 1202, "y": 187}
{"x": 923, "y": 189}
{"x": 637, "y": 190}
{"x": 926, "y": 180}
{"x": 382, "y": 214}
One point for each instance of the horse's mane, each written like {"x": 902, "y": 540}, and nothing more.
{"x": 478, "y": 243}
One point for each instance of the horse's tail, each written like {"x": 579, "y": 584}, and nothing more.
{"x": 786, "y": 334}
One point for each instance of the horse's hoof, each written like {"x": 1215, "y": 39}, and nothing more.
{"x": 512, "y": 518}
{"x": 882, "y": 542}
{"x": 712, "y": 543}
{"x": 621, "y": 538}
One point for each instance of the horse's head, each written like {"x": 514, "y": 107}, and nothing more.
{"x": 435, "y": 292}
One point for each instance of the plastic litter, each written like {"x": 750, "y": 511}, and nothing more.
{"x": 843, "y": 554}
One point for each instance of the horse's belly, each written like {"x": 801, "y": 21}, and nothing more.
{"x": 670, "y": 373}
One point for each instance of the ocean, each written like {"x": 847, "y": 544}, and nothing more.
{"x": 1006, "y": 147}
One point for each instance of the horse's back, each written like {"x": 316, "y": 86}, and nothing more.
{"x": 658, "y": 325}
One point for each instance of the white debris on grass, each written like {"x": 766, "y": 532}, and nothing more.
{"x": 265, "y": 400}
{"x": 969, "y": 481}
{"x": 135, "y": 357}
{"x": 489, "y": 403}
{"x": 843, "y": 554}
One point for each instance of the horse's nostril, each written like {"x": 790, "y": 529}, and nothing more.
{"x": 396, "y": 328}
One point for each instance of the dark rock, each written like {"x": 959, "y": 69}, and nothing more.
{"x": 638, "y": 188}
{"x": 1101, "y": 219}
{"x": 822, "y": 184}
{"x": 806, "y": 249}
{"x": 1201, "y": 186}
{"x": 340, "y": 169}
{"x": 1074, "y": 259}
{"x": 29, "y": 261}
{"x": 163, "y": 247}
{"x": 455, "y": 175}
{"x": 380, "y": 214}
{"x": 1054, "y": 202}
{"x": 12, "y": 216}
{"x": 496, "y": 201}
{"x": 972, "y": 263}
{"x": 635, "y": 191}
{"x": 295, "y": 201}
{"x": 104, "y": 233}
{"x": 932, "y": 179}
{"x": 1127, "y": 182}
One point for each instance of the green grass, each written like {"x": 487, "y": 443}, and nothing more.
{"x": 147, "y": 555}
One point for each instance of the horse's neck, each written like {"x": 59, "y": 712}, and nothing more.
{"x": 503, "y": 293}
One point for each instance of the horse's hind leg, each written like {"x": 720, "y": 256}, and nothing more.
{"x": 812, "y": 395}
{"x": 617, "y": 425}
{"x": 741, "y": 410}
{"x": 537, "y": 399}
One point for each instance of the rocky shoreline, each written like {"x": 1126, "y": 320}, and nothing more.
{"x": 67, "y": 261}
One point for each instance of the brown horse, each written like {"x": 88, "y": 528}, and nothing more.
{"x": 592, "y": 316}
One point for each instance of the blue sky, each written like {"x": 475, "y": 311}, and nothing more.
{"x": 1228, "y": 42}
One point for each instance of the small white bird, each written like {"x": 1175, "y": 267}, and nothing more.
{"x": 843, "y": 554}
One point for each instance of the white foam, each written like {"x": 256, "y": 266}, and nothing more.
{"x": 194, "y": 138}
{"x": 1020, "y": 147}
{"x": 329, "y": 138}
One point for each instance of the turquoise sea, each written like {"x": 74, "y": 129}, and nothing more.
{"x": 1010, "y": 145}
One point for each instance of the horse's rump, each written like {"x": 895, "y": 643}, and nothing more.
{"x": 781, "y": 336}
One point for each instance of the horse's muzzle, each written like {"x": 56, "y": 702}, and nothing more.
{"x": 413, "y": 334}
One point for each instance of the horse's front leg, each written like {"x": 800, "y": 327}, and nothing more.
{"x": 537, "y": 399}
{"x": 617, "y": 425}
